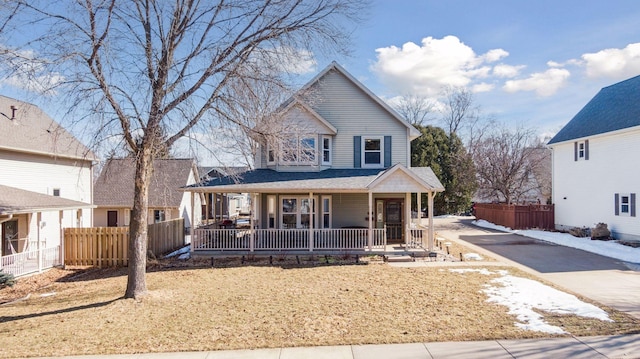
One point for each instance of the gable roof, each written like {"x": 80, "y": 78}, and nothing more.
{"x": 29, "y": 129}
{"x": 297, "y": 102}
{"x": 334, "y": 66}
{"x": 115, "y": 186}
{"x": 17, "y": 201}
{"x": 615, "y": 107}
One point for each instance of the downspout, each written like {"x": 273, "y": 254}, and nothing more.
{"x": 6, "y": 219}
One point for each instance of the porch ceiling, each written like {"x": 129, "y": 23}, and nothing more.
{"x": 17, "y": 201}
{"x": 331, "y": 180}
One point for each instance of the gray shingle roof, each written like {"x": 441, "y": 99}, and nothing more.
{"x": 16, "y": 201}
{"x": 615, "y": 107}
{"x": 32, "y": 130}
{"x": 327, "y": 180}
{"x": 115, "y": 186}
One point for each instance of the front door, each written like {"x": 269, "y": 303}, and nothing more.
{"x": 390, "y": 211}
{"x": 112, "y": 218}
{"x": 10, "y": 238}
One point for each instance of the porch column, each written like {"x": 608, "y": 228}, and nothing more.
{"x": 430, "y": 208}
{"x": 370, "y": 232}
{"x": 61, "y": 248}
{"x": 252, "y": 231}
{"x": 419, "y": 215}
{"x": 39, "y": 221}
{"x": 407, "y": 212}
{"x": 193, "y": 224}
{"x": 311, "y": 218}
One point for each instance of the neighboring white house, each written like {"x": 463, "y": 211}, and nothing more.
{"x": 113, "y": 193}
{"x": 46, "y": 178}
{"x": 596, "y": 176}
{"x": 339, "y": 180}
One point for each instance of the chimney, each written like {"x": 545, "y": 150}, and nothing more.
{"x": 13, "y": 112}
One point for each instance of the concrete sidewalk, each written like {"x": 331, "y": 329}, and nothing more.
{"x": 624, "y": 346}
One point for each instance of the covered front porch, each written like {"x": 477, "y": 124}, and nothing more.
{"x": 328, "y": 212}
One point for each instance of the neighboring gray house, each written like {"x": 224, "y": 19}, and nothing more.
{"x": 114, "y": 189}
{"x": 595, "y": 157}
{"x": 342, "y": 183}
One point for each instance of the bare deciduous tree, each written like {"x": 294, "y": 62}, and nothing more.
{"x": 415, "y": 109}
{"x": 506, "y": 167}
{"x": 458, "y": 108}
{"x": 150, "y": 70}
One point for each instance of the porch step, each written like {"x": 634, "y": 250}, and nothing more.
{"x": 392, "y": 258}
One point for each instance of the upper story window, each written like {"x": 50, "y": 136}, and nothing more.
{"x": 581, "y": 150}
{"x": 299, "y": 150}
{"x": 326, "y": 150}
{"x": 56, "y": 192}
{"x": 372, "y": 151}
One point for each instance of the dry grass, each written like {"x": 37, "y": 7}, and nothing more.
{"x": 256, "y": 305}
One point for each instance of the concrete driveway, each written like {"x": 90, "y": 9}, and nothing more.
{"x": 606, "y": 280}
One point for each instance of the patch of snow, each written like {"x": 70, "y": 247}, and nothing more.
{"x": 472, "y": 270}
{"x": 43, "y": 295}
{"x": 472, "y": 256}
{"x": 606, "y": 248}
{"x": 522, "y": 295}
{"x": 180, "y": 252}
{"x": 185, "y": 256}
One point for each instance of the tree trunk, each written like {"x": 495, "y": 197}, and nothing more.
{"x": 137, "y": 284}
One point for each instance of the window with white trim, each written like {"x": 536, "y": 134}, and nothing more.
{"x": 625, "y": 204}
{"x": 326, "y": 150}
{"x": 56, "y": 192}
{"x": 372, "y": 151}
{"x": 299, "y": 150}
{"x": 581, "y": 150}
{"x": 296, "y": 212}
{"x": 271, "y": 211}
{"x": 326, "y": 212}
{"x": 271, "y": 156}
{"x": 158, "y": 216}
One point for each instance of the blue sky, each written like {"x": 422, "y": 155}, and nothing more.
{"x": 534, "y": 63}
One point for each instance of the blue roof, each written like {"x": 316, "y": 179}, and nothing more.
{"x": 615, "y": 107}
{"x": 268, "y": 175}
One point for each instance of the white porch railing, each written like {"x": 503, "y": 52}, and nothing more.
{"x": 418, "y": 237}
{"x": 31, "y": 261}
{"x": 288, "y": 239}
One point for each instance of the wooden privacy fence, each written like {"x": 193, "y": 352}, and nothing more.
{"x": 108, "y": 246}
{"x": 517, "y": 216}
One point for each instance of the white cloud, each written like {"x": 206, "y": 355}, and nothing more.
{"x": 507, "y": 71}
{"x": 613, "y": 63}
{"x": 495, "y": 55}
{"x": 543, "y": 83}
{"x": 426, "y": 68}
{"x": 482, "y": 87}
{"x": 28, "y": 72}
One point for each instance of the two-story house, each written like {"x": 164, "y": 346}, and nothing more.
{"x": 343, "y": 183}
{"x": 594, "y": 176}
{"x": 46, "y": 178}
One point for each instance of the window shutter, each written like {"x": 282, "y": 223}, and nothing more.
{"x": 617, "y": 202}
{"x": 357, "y": 148}
{"x": 586, "y": 150}
{"x": 633, "y": 204}
{"x": 387, "y": 151}
{"x": 575, "y": 151}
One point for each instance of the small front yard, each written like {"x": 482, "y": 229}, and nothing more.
{"x": 257, "y": 305}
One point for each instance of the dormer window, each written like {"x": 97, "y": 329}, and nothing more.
{"x": 372, "y": 151}
{"x": 299, "y": 150}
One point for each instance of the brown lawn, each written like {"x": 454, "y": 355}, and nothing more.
{"x": 195, "y": 307}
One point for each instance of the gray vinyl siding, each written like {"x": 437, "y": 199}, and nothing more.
{"x": 350, "y": 209}
{"x": 354, "y": 113}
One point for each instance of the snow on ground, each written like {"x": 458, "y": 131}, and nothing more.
{"x": 522, "y": 295}
{"x": 606, "y": 248}
{"x": 183, "y": 253}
